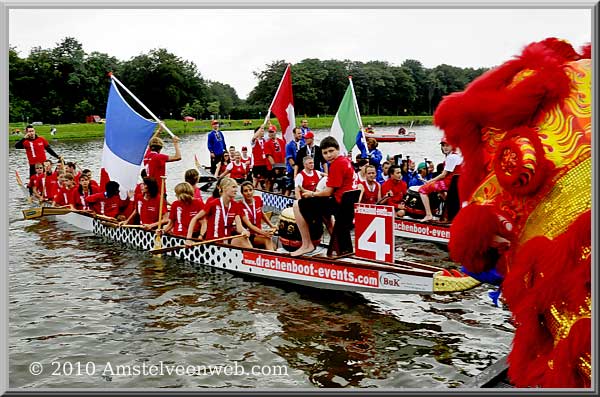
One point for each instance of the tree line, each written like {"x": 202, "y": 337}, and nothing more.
{"x": 65, "y": 84}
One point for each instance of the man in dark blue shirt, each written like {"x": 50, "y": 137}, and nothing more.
{"x": 216, "y": 146}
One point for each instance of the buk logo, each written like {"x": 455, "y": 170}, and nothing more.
{"x": 390, "y": 279}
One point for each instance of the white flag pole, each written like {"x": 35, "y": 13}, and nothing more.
{"x": 164, "y": 126}
{"x": 275, "y": 96}
{"x": 364, "y": 139}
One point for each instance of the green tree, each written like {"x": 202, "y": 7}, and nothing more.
{"x": 213, "y": 107}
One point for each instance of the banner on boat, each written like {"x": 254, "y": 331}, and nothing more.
{"x": 374, "y": 232}
{"x": 315, "y": 271}
{"x": 423, "y": 231}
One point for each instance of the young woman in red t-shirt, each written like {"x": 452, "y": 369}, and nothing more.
{"x": 82, "y": 191}
{"x": 236, "y": 169}
{"x": 252, "y": 216}
{"x": 64, "y": 194}
{"x": 183, "y": 210}
{"x": 222, "y": 217}
{"x": 148, "y": 205}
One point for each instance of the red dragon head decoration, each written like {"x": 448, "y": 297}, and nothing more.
{"x": 524, "y": 129}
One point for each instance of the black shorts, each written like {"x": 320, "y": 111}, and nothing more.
{"x": 259, "y": 171}
{"x": 316, "y": 208}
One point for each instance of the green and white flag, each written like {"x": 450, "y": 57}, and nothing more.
{"x": 347, "y": 121}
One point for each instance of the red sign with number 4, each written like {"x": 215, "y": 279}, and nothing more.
{"x": 374, "y": 232}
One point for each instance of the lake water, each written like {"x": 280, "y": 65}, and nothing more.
{"x": 82, "y": 307}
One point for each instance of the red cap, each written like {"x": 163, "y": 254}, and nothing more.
{"x": 309, "y": 135}
{"x": 272, "y": 128}
{"x": 244, "y": 148}
{"x": 444, "y": 140}
{"x": 214, "y": 122}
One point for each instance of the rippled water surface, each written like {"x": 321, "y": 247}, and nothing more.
{"x": 75, "y": 298}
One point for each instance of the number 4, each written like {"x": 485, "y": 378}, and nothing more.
{"x": 379, "y": 246}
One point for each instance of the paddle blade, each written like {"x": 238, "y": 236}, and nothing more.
{"x": 32, "y": 213}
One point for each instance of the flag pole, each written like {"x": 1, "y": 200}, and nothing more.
{"x": 364, "y": 139}
{"x": 163, "y": 125}
{"x": 276, "y": 92}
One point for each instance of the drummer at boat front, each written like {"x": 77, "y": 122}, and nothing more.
{"x": 183, "y": 210}
{"x": 251, "y": 213}
{"x": 222, "y": 217}
{"x": 370, "y": 188}
{"x": 394, "y": 190}
{"x": 307, "y": 179}
{"x": 323, "y": 204}
{"x": 147, "y": 206}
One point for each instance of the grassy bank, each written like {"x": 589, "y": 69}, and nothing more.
{"x": 86, "y": 131}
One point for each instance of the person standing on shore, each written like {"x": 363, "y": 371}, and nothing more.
{"x": 216, "y": 146}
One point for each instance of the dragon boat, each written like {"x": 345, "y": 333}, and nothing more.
{"x": 347, "y": 272}
{"x": 409, "y": 137}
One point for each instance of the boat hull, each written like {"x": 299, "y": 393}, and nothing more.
{"x": 345, "y": 274}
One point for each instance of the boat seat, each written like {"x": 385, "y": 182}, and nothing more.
{"x": 341, "y": 238}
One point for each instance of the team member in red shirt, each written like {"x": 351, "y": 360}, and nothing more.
{"x": 156, "y": 162}
{"x": 247, "y": 161}
{"x": 35, "y": 149}
{"x": 192, "y": 176}
{"x": 275, "y": 153}
{"x": 308, "y": 178}
{"x": 93, "y": 183}
{"x": 236, "y": 169}
{"x": 395, "y": 190}
{"x": 183, "y": 210}
{"x": 108, "y": 203}
{"x": 36, "y": 182}
{"x": 147, "y": 206}
{"x": 252, "y": 217}
{"x": 71, "y": 167}
{"x": 222, "y": 216}
{"x": 64, "y": 195}
{"x": 84, "y": 190}
{"x": 371, "y": 189}
{"x": 50, "y": 182}
{"x": 314, "y": 206}
{"x": 259, "y": 169}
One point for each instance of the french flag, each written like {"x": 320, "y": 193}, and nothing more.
{"x": 126, "y": 136}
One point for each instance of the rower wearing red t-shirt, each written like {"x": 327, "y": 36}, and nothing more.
{"x": 395, "y": 190}
{"x": 156, "y": 162}
{"x": 83, "y": 191}
{"x": 259, "y": 169}
{"x": 246, "y": 160}
{"x": 371, "y": 189}
{"x": 236, "y": 169}
{"x": 64, "y": 195}
{"x": 222, "y": 217}
{"x": 308, "y": 178}
{"x": 108, "y": 203}
{"x": 252, "y": 216}
{"x": 147, "y": 205}
{"x": 192, "y": 176}
{"x": 275, "y": 153}
{"x": 183, "y": 210}
{"x": 36, "y": 182}
{"x": 50, "y": 182}
{"x": 314, "y": 206}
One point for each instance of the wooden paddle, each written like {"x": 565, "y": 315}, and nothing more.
{"x": 156, "y": 251}
{"x": 158, "y": 235}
